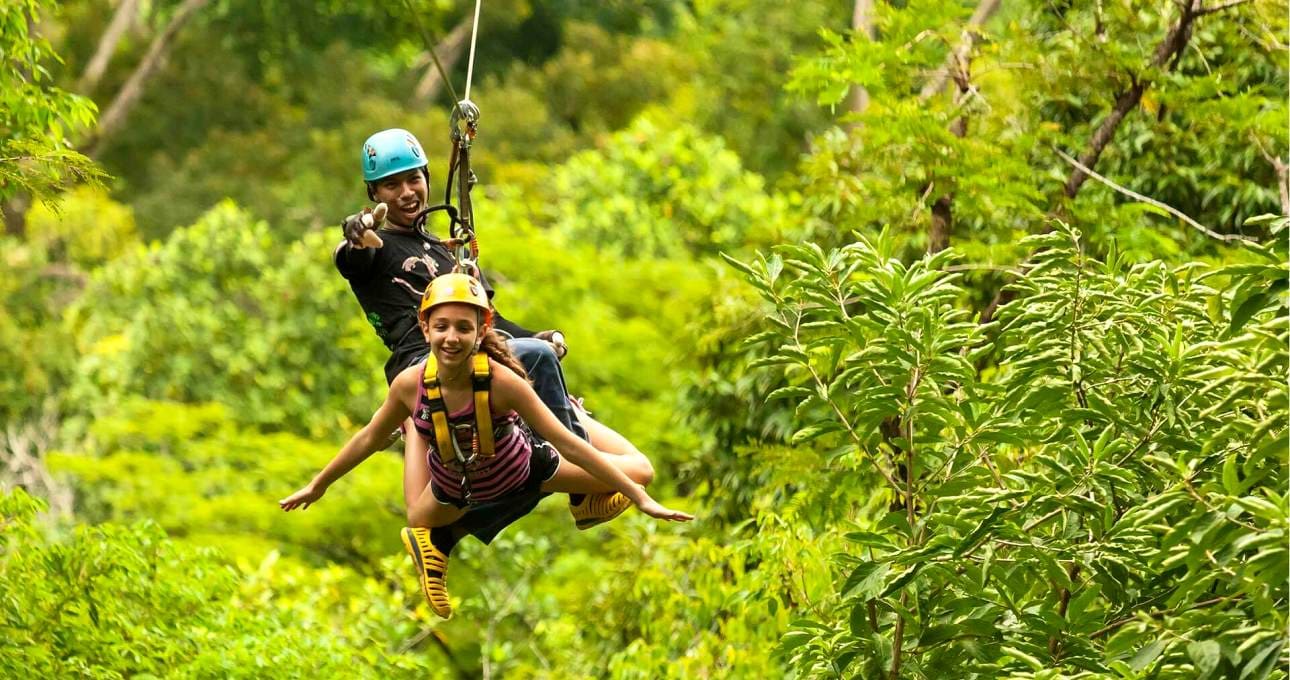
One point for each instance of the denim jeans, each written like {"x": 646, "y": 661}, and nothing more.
{"x": 543, "y": 367}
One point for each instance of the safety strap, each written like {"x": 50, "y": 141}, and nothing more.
{"x": 438, "y": 411}
{"x": 481, "y": 382}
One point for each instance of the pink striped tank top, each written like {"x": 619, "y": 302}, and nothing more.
{"x": 490, "y": 478}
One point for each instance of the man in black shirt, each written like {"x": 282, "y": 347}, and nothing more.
{"x": 389, "y": 279}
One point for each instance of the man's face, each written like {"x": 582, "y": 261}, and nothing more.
{"x": 405, "y": 195}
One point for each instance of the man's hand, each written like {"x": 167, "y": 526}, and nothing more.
{"x": 556, "y": 339}
{"x": 359, "y": 228}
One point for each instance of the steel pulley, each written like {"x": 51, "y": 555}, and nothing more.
{"x": 462, "y": 125}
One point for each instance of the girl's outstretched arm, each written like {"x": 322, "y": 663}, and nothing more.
{"x": 512, "y": 392}
{"x": 364, "y": 443}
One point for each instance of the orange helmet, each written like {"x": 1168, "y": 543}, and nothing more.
{"x": 456, "y": 287}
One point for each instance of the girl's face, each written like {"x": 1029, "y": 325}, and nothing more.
{"x": 451, "y": 330}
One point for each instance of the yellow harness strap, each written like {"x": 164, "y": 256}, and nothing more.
{"x": 481, "y": 381}
{"x": 438, "y": 412}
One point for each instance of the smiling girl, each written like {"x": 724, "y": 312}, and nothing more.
{"x": 455, "y": 318}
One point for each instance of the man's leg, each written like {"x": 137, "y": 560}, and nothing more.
{"x": 544, "y": 370}
{"x": 543, "y": 367}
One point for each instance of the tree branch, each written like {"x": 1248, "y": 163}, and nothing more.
{"x": 1150, "y": 201}
{"x": 449, "y": 50}
{"x": 1160, "y": 613}
{"x": 1174, "y": 43}
{"x": 125, "y": 13}
{"x": 937, "y": 83}
{"x": 1282, "y": 170}
{"x": 898, "y": 639}
{"x": 1219, "y": 7}
{"x": 115, "y": 114}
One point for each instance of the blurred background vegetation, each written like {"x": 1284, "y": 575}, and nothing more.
{"x": 177, "y": 351}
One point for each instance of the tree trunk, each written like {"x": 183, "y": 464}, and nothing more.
{"x": 121, "y": 19}
{"x": 1281, "y": 169}
{"x": 115, "y": 114}
{"x": 1283, "y": 185}
{"x": 449, "y": 51}
{"x": 956, "y": 64}
{"x": 942, "y": 219}
{"x": 862, "y": 23}
{"x": 15, "y": 214}
{"x": 938, "y": 238}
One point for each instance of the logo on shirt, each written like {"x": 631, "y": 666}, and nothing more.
{"x": 375, "y": 319}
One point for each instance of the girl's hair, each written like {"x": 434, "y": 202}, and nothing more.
{"x": 496, "y": 348}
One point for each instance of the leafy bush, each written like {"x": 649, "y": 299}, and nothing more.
{"x": 233, "y": 317}
{"x": 114, "y": 601}
{"x": 196, "y": 474}
{"x": 1104, "y": 498}
{"x": 662, "y": 189}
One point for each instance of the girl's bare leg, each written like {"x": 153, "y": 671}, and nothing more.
{"x": 626, "y": 455}
{"x": 416, "y": 470}
{"x": 428, "y": 512}
{"x": 570, "y": 478}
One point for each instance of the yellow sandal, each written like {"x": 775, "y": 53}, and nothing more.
{"x": 598, "y": 508}
{"x": 432, "y": 568}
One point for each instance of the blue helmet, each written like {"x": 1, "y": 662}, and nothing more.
{"x": 391, "y": 151}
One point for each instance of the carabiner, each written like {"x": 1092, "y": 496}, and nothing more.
{"x": 465, "y": 110}
{"x": 465, "y": 265}
{"x": 464, "y": 461}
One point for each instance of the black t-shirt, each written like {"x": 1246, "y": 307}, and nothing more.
{"x": 389, "y": 282}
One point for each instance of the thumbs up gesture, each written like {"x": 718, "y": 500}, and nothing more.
{"x": 360, "y": 228}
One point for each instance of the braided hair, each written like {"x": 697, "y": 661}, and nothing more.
{"x": 496, "y": 348}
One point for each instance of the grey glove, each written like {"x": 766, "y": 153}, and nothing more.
{"x": 359, "y": 229}
{"x": 556, "y": 338}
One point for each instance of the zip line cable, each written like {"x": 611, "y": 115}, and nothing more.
{"x": 470, "y": 67}
{"x": 470, "y": 64}
{"x": 462, "y": 226}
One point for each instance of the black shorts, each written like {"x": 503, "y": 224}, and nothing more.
{"x": 544, "y": 462}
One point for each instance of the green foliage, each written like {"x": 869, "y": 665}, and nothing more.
{"x": 1041, "y": 78}
{"x": 595, "y": 85}
{"x": 737, "y": 45}
{"x": 233, "y": 317}
{"x": 113, "y": 601}
{"x": 34, "y": 348}
{"x": 660, "y": 190}
{"x": 1106, "y": 500}
{"x": 86, "y": 228}
{"x": 37, "y": 119}
{"x": 190, "y": 470}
